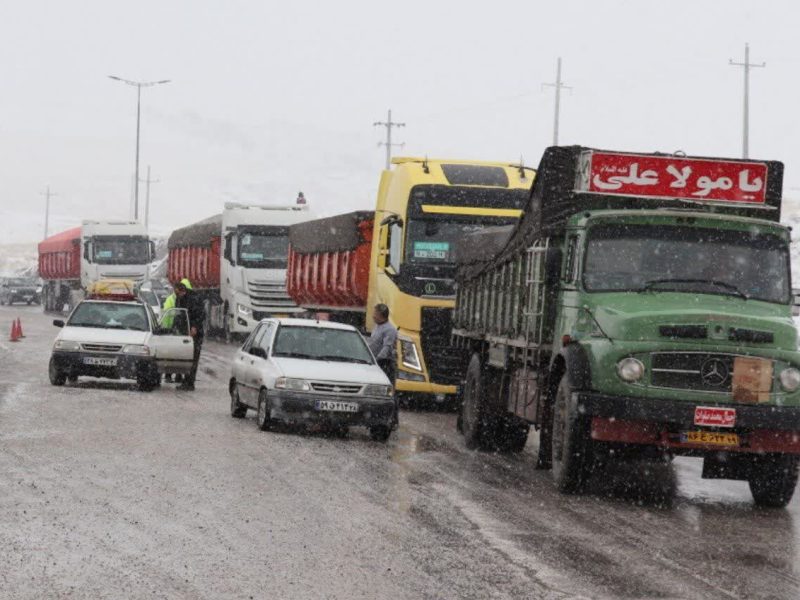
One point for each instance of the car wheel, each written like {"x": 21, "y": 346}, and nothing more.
{"x": 238, "y": 410}
{"x": 57, "y": 376}
{"x": 262, "y": 420}
{"x": 773, "y": 479}
{"x": 146, "y": 380}
{"x": 571, "y": 445}
{"x": 380, "y": 433}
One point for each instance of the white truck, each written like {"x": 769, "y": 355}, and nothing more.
{"x": 70, "y": 261}
{"x": 237, "y": 262}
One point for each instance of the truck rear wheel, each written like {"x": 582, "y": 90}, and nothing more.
{"x": 477, "y": 423}
{"x": 571, "y": 445}
{"x": 773, "y": 479}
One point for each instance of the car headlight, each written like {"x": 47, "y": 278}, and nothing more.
{"x": 378, "y": 390}
{"x": 13, "y": 291}
{"x": 136, "y": 349}
{"x": 790, "y": 379}
{"x": 243, "y": 310}
{"x": 67, "y": 345}
{"x": 630, "y": 369}
{"x": 409, "y": 354}
{"x": 294, "y": 385}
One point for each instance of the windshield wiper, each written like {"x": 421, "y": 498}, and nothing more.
{"x": 336, "y": 358}
{"x": 735, "y": 291}
{"x": 293, "y": 355}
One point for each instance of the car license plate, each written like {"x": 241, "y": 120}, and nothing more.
{"x": 711, "y": 438}
{"x": 99, "y": 362}
{"x": 334, "y": 406}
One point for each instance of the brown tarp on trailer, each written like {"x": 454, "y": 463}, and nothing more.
{"x": 331, "y": 234}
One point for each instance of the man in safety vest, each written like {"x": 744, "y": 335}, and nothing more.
{"x": 166, "y": 323}
{"x": 188, "y": 299}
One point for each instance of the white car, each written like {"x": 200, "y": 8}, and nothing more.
{"x": 304, "y": 371}
{"x": 121, "y": 339}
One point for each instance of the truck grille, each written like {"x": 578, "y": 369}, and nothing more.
{"x": 101, "y": 347}
{"x": 134, "y": 276}
{"x": 692, "y": 371}
{"x": 445, "y": 364}
{"x": 270, "y": 295}
{"x": 336, "y": 388}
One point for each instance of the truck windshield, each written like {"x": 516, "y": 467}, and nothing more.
{"x": 321, "y": 343}
{"x": 641, "y": 258}
{"x": 121, "y": 251}
{"x": 434, "y": 240}
{"x": 264, "y": 250}
{"x": 110, "y": 315}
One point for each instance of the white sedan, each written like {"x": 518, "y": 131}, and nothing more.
{"x": 303, "y": 371}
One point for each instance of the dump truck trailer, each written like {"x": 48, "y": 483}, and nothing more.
{"x": 640, "y": 309}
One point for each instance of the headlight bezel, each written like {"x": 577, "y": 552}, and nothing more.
{"x": 136, "y": 350}
{"x": 244, "y": 311}
{"x": 630, "y": 369}
{"x": 409, "y": 355}
{"x": 378, "y": 389}
{"x": 292, "y": 384}
{"x": 791, "y": 386}
{"x": 67, "y": 346}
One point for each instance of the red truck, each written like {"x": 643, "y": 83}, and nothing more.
{"x": 329, "y": 262}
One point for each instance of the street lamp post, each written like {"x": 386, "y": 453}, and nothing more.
{"x": 138, "y": 85}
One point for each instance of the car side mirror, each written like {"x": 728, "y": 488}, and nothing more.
{"x": 258, "y": 351}
{"x": 58, "y": 322}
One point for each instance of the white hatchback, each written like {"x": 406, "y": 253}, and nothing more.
{"x": 304, "y": 371}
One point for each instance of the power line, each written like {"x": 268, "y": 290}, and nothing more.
{"x": 558, "y": 85}
{"x": 389, "y": 124}
{"x": 746, "y": 66}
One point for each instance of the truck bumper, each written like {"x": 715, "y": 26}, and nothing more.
{"x": 300, "y": 407}
{"x": 645, "y": 421}
{"x": 424, "y": 387}
{"x": 127, "y": 367}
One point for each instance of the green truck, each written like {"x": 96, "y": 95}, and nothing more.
{"x": 640, "y": 309}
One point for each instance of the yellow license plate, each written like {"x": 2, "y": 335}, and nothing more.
{"x": 713, "y": 438}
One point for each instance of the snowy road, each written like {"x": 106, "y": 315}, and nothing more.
{"x": 112, "y": 493}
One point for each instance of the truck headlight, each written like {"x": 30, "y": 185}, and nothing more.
{"x": 294, "y": 385}
{"x": 378, "y": 390}
{"x": 630, "y": 369}
{"x": 409, "y": 354}
{"x": 243, "y": 310}
{"x": 67, "y": 346}
{"x": 136, "y": 349}
{"x": 790, "y": 379}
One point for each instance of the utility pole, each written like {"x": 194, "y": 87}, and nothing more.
{"x": 148, "y": 181}
{"x": 746, "y": 65}
{"x": 388, "y": 124}
{"x": 47, "y": 195}
{"x": 558, "y": 85}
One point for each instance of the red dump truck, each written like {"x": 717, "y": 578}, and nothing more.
{"x": 329, "y": 262}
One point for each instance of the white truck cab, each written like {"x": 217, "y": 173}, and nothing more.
{"x": 115, "y": 250}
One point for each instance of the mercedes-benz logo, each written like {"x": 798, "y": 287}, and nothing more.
{"x": 715, "y": 372}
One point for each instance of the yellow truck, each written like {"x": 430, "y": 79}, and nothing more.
{"x": 424, "y": 207}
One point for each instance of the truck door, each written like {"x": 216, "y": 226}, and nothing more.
{"x": 172, "y": 345}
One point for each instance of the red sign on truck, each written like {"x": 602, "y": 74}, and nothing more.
{"x": 674, "y": 177}
{"x": 714, "y": 416}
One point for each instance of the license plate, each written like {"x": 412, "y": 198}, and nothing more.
{"x": 334, "y": 406}
{"x": 99, "y": 362}
{"x": 711, "y": 438}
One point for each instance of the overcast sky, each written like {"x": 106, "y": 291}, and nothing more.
{"x": 269, "y": 98}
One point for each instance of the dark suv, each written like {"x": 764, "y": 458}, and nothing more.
{"x": 19, "y": 289}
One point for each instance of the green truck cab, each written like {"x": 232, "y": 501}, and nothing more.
{"x": 641, "y": 309}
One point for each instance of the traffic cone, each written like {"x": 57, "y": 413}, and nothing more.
{"x": 19, "y": 328}
{"x": 14, "y": 332}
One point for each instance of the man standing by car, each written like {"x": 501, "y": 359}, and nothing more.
{"x": 188, "y": 299}
{"x": 383, "y": 340}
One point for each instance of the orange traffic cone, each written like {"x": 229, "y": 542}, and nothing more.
{"x": 14, "y": 332}
{"x": 19, "y": 328}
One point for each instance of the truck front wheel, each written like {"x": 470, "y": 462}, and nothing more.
{"x": 773, "y": 479}
{"x": 571, "y": 445}
{"x": 477, "y": 423}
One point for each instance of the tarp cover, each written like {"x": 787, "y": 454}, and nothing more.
{"x": 554, "y": 200}
{"x": 331, "y": 234}
{"x": 60, "y": 242}
{"x": 197, "y": 235}
{"x": 482, "y": 245}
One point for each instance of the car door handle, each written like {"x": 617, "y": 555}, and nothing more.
{"x": 187, "y": 341}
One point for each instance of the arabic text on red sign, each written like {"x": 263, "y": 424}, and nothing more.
{"x": 711, "y": 416}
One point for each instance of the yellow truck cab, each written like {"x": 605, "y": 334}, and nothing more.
{"x": 424, "y": 207}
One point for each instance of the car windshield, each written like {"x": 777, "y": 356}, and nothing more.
{"x": 434, "y": 240}
{"x": 21, "y": 282}
{"x": 110, "y": 315}
{"x": 321, "y": 343}
{"x": 121, "y": 251}
{"x": 150, "y": 297}
{"x": 749, "y": 264}
{"x": 264, "y": 250}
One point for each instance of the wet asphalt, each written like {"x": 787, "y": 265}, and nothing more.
{"x": 112, "y": 493}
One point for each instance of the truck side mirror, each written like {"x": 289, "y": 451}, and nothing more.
{"x": 152, "y": 246}
{"x": 227, "y": 253}
{"x": 58, "y": 322}
{"x": 87, "y": 251}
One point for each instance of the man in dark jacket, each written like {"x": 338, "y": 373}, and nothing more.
{"x": 188, "y": 299}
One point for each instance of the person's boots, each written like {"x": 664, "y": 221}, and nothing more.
{"x": 168, "y": 378}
